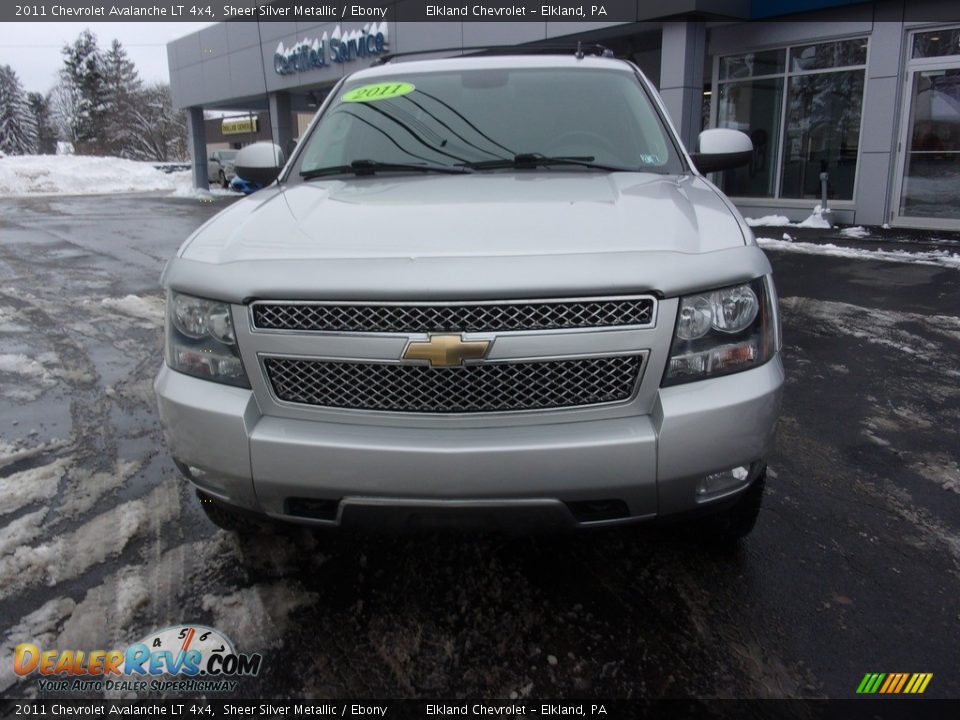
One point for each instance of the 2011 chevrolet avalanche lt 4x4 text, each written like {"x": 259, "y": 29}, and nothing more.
{"x": 482, "y": 290}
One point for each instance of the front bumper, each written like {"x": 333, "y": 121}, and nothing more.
{"x": 594, "y": 472}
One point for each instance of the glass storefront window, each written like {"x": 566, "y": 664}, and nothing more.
{"x": 822, "y": 134}
{"x": 936, "y": 43}
{"x": 765, "y": 62}
{"x": 803, "y": 117}
{"x": 931, "y": 182}
{"x": 754, "y": 108}
{"x": 825, "y": 56}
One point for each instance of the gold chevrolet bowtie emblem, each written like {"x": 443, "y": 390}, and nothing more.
{"x": 447, "y": 350}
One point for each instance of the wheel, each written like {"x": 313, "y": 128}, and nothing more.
{"x": 228, "y": 518}
{"x": 735, "y": 523}
{"x": 223, "y": 180}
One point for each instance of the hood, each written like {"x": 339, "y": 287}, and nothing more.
{"x": 480, "y": 215}
{"x": 483, "y": 236}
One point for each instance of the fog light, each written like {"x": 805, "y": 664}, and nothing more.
{"x": 719, "y": 482}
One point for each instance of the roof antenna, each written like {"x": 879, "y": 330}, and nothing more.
{"x": 579, "y": 53}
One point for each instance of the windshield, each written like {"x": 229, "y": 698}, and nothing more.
{"x": 228, "y": 155}
{"x": 487, "y": 119}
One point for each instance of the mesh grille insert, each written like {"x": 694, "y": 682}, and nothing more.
{"x": 488, "y": 387}
{"x": 501, "y": 317}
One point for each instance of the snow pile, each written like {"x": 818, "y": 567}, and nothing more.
{"x": 816, "y": 219}
{"x": 79, "y": 175}
{"x": 185, "y": 189}
{"x": 932, "y": 257}
{"x": 769, "y": 221}
{"x": 86, "y": 175}
{"x": 855, "y": 232}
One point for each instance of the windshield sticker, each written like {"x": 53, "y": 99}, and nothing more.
{"x": 379, "y": 91}
{"x": 647, "y": 159}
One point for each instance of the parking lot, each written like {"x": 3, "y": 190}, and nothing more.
{"x": 853, "y": 567}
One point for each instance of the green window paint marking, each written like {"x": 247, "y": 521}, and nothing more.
{"x": 378, "y": 91}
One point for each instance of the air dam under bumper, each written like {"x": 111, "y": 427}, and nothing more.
{"x": 505, "y": 475}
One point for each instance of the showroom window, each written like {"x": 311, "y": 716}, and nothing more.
{"x": 801, "y": 107}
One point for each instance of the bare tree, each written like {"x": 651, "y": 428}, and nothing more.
{"x": 65, "y": 105}
{"x": 161, "y": 131}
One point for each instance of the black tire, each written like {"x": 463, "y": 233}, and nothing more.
{"x": 223, "y": 180}
{"x": 229, "y": 518}
{"x": 734, "y": 524}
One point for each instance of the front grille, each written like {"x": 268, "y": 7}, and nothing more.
{"x": 464, "y": 317}
{"x": 488, "y": 387}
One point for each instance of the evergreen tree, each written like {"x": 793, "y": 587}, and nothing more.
{"x": 18, "y": 131}
{"x": 43, "y": 117}
{"x": 122, "y": 84}
{"x": 83, "y": 76}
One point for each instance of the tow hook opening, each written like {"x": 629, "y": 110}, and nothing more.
{"x": 596, "y": 510}
{"x": 313, "y": 508}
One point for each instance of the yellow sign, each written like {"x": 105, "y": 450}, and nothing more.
{"x": 378, "y": 91}
{"x": 240, "y": 125}
{"x": 447, "y": 350}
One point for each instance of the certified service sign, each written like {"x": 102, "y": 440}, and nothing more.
{"x": 336, "y": 47}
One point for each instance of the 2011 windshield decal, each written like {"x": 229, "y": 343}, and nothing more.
{"x": 378, "y": 91}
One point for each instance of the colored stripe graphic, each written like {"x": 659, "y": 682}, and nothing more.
{"x": 903, "y": 680}
{"x": 894, "y": 683}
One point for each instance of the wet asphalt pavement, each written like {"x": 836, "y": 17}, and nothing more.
{"x": 853, "y": 566}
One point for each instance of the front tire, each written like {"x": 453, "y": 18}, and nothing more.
{"x": 223, "y": 180}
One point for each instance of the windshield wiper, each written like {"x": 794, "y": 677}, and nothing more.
{"x": 532, "y": 160}
{"x": 371, "y": 167}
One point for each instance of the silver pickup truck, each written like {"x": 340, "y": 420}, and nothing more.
{"x": 488, "y": 290}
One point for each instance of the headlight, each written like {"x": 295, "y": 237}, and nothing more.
{"x": 201, "y": 341}
{"x": 723, "y": 331}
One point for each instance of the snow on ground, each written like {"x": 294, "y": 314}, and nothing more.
{"x": 816, "y": 219}
{"x": 79, "y": 175}
{"x": 149, "y": 308}
{"x": 769, "y": 221}
{"x": 185, "y": 189}
{"x": 40, "y": 627}
{"x": 879, "y": 327}
{"x": 21, "y": 531}
{"x": 855, "y": 232}
{"x": 29, "y": 486}
{"x": 11, "y": 453}
{"x": 931, "y": 257}
{"x": 86, "y": 175}
{"x": 69, "y": 555}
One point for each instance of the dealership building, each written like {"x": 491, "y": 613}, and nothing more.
{"x": 863, "y": 98}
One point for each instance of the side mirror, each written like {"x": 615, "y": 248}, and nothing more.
{"x": 291, "y": 146}
{"x": 721, "y": 149}
{"x": 259, "y": 163}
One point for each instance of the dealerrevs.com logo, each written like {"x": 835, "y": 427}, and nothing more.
{"x": 181, "y": 658}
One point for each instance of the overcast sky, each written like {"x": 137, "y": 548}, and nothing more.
{"x": 33, "y": 49}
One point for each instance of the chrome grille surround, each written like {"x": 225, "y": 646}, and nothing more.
{"x": 476, "y": 388}
{"x": 435, "y": 317}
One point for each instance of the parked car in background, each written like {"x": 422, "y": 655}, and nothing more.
{"x": 220, "y": 166}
